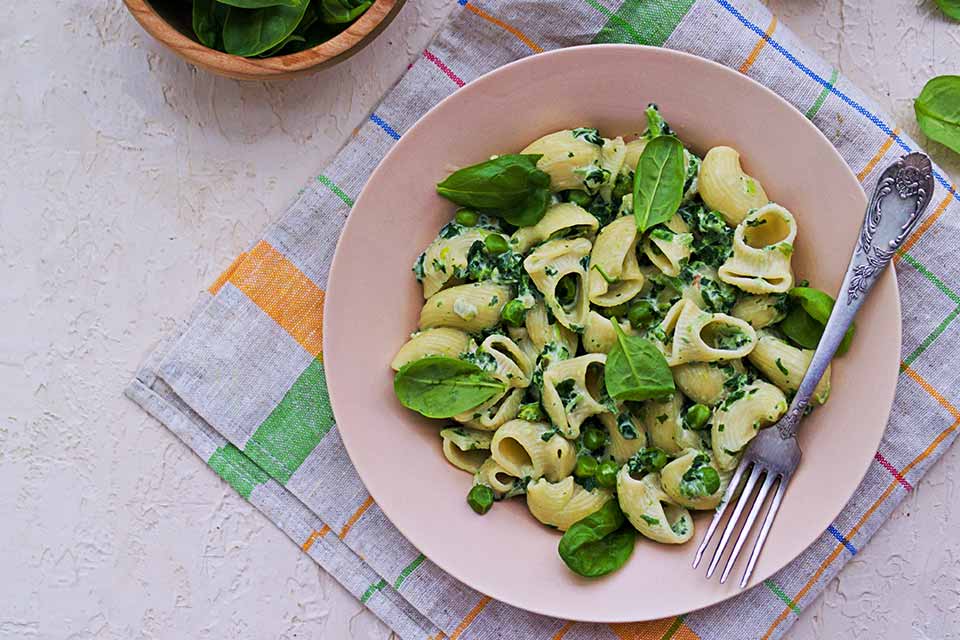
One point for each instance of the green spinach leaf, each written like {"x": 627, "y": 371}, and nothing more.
{"x": 938, "y": 105}
{"x": 635, "y": 369}
{"x": 809, "y": 311}
{"x": 342, "y": 11}
{"x": 441, "y": 387}
{"x": 208, "y": 18}
{"x": 508, "y": 186}
{"x": 250, "y": 32}
{"x": 658, "y": 182}
{"x": 598, "y": 544}
{"x": 950, "y": 7}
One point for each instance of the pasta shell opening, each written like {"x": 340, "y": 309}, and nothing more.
{"x": 766, "y": 230}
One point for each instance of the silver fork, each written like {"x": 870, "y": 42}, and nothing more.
{"x": 903, "y": 192}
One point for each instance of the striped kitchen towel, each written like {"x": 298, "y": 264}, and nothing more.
{"x": 242, "y": 383}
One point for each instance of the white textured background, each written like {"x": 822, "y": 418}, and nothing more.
{"x": 128, "y": 181}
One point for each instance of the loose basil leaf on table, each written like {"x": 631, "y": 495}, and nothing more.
{"x": 441, "y": 387}
{"x": 635, "y": 369}
{"x": 598, "y": 544}
{"x": 658, "y": 181}
{"x": 250, "y": 32}
{"x": 208, "y": 18}
{"x": 342, "y": 11}
{"x": 938, "y": 107}
{"x": 950, "y": 7}
{"x": 809, "y": 311}
{"x": 509, "y": 186}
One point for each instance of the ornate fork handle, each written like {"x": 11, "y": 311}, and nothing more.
{"x": 902, "y": 193}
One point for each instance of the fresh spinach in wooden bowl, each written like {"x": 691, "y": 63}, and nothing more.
{"x": 260, "y": 39}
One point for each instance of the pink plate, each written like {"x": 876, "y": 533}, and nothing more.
{"x": 373, "y": 303}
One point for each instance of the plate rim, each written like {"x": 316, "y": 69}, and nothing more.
{"x": 477, "y": 84}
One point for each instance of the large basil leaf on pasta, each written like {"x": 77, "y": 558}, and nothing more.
{"x": 440, "y": 387}
{"x": 658, "y": 181}
{"x": 938, "y": 106}
{"x": 809, "y": 311}
{"x": 508, "y": 186}
{"x": 250, "y": 32}
{"x": 342, "y": 11}
{"x": 635, "y": 369}
{"x": 598, "y": 544}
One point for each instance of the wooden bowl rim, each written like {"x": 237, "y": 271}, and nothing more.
{"x": 353, "y": 37}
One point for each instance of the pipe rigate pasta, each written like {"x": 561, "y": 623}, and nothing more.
{"x": 725, "y": 187}
{"x": 689, "y": 334}
{"x": 572, "y": 390}
{"x": 668, "y": 251}
{"x": 560, "y": 504}
{"x": 740, "y": 416}
{"x": 599, "y": 335}
{"x": 760, "y": 311}
{"x": 441, "y": 341}
{"x": 469, "y": 307}
{"x": 543, "y": 330}
{"x": 762, "y": 248}
{"x": 490, "y": 415}
{"x": 704, "y": 382}
{"x": 651, "y": 511}
{"x": 561, "y": 220}
{"x": 562, "y": 261}
{"x": 663, "y": 421}
{"x": 615, "y": 275}
{"x": 683, "y": 491}
{"x": 785, "y": 365}
{"x": 571, "y": 160}
{"x": 445, "y": 258}
{"x": 504, "y": 485}
{"x": 625, "y": 434}
{"x": 520, "y": 449}
{"x": 465, "y": 448}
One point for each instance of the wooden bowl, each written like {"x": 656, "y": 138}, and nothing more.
{"x": 174, "y": 30}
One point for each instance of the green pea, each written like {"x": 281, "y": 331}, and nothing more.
{"x": 514, "y": 313}
{"x": 586, "y": 467}
{"x": 580, "y": 198}
{"x": 641, "y": 314}
{"x": 696, "y": 416}
{"x": 496, "y": 244}
{"x": 607, "y": 474}
{"x": 467, "y": 217}
{"x": 480, "y": 498}
{"x": 593, "y": 439}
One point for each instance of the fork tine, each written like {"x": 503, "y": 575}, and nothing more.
{"x": 734, "y": 517}
{"x": 764, "y": 530}
{"x": 748, "y": 525}
{"x": 724, "y": 503}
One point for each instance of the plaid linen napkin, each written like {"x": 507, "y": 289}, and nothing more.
{"x": 243, "y": 383}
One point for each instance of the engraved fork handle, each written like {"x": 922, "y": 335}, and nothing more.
{"x": 903, "y": 192}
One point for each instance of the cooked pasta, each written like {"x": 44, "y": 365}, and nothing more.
{"x": 593, "y": 361}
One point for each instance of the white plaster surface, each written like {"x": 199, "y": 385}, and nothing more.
{"x": 128, "y": 180}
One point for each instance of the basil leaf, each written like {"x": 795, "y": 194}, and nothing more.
{"x": 508, "y": 186}
{"x": 950, "y": 7}
{"x": 259, "y": 4}
{"x": 598, "y": 544}
{"x": 441, "y": 387}
{"x": 208, "y": 18}
{"x": 810, "y": 309}
{"x": 658, "y": 182}
{"x": 938, "y": 106}
{"x": 635, "y": 369}
{"x": 342, "y": 11}
{"x": 249, "y": 32}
